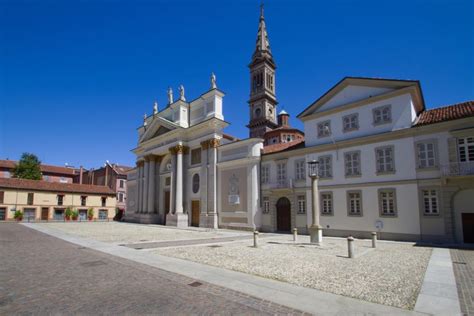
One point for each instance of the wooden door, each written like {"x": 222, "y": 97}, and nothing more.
{"x": 44, "y": 213}
{"x": 167, "y": 205}
{"x": 283, "y": 215}
{"x": 468, "y": 227}
{"x": 195, "y": 211}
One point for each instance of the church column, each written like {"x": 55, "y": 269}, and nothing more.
{"x": 151, "y": 185}
{"x": 139, "y": 179}
{"x": 145, "y": 185}
{"x": 203, "y": 185}
{"x": 212, "y": 183}
{"x": 179, "y": 149}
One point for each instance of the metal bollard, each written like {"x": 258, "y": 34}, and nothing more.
{"x": 374, "y": 239}
{"x": 350, "y": 246}
{"x": 255, "y": 239}
{"x": 295, "y": 234}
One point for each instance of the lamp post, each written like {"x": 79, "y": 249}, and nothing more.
{"x": 315, "y": 230}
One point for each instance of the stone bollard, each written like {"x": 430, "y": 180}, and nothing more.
{"x": 295, "y": 234}
{"x": 350, "y": 246}
{"x": 255, "y": 239}
{"x": 374, "y": 239}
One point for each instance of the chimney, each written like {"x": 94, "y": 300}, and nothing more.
{"x": 81, "y": 173}
{"x": 283, "y": 118}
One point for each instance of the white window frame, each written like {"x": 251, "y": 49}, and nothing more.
{"x": 350, "y": 122}
{"x": 354, "y": 203}
{"x": 426, "y": 158}
{"x": 352, "y": 164}
{"x": 265, "y": 176}
{"x": 301, "y": 202}
{"x": 466, "y": 148}
{"x": 327, "y": 203}
{"x": 322, "y": 131}
{"x": 325, "y": 166}
{"x": 382, "y": 114}
{"x": 430, "y": 202}
{"x": 300, "y": 169}
{"x": 387, "y": 203}
{"x": 266, "y": 205}
{"x": 385, "y": 159}
{"x": 281, "y": 173}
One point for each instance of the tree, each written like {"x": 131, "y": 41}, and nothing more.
{"x": 28, "y": 167}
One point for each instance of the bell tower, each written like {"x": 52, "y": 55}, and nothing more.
{"x": 262, "y": 102}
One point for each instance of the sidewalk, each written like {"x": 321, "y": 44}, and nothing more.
{"x": 305, "y": 299}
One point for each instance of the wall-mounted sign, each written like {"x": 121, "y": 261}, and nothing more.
{"x": 234, "y": 199}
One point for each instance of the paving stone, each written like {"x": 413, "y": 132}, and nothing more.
{"x": 463, "y": 265}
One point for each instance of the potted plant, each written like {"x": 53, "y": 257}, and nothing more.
{"x": 90, "y": 214}
{"x": 68, "y": 214}
{"x": 75, "y": 215}
{"x": 18, "y": 215}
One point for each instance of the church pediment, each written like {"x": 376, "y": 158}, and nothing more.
{"x": 158, "y": 127}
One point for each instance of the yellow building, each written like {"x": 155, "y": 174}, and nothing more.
{"x": 41, "y": 200}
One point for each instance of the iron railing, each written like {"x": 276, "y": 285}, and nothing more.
{"x": 458, "y": 169}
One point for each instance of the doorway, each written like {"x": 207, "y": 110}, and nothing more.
{"x": 29, "y": 214}
{"x": 468, "y": 227}
{"x": 195, "y": 211}
{"x": 44, "y": 213}
{"x": 283, "y": 215}
{"x": 167, "y": 205}
{"x": 3, "y": 213}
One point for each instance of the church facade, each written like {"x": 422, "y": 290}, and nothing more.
{"x": 386, "y": 163}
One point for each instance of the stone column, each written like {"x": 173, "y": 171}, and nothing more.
{"x": 316, "y": 231}
{"x": 145, "y": 185}
{"x": 138, "y": 196}
{"x": 178, "y": 218}
{"x": 203, "y": 217}
{"x": 212, "y": 183}
{"x": 151, "y": 185}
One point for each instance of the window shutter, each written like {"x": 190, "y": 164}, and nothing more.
{"x": 452, "y": 150}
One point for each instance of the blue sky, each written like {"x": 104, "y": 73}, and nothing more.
{"x": 76, "y": 77}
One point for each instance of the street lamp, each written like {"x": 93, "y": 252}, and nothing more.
{"x": 315, "y": 230}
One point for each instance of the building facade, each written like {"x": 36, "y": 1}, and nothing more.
{"x": 50, "y": 173}
{"x": 41, "y": 200}
{"x": 386, "y": 163}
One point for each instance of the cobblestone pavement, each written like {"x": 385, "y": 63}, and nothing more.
{"x": 463, "y": 265}
{"x": 40, "y": 274}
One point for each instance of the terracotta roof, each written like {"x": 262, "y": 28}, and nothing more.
{"x": 121, "y": 169}
{"x": 10, "y": 164}
{"x": 40, "y": 185}
{"x": 271, "y": 149}
{"x": 446, "y": 113}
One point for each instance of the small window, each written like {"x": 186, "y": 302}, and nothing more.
{"x": 324, "y": 129}
{"x": 258, "y": 112}
{"x": 104, "y": 200}
{"x": 63, "y": 180}
{"x": 300, "y": 169}
{"x": 352, "y": 164}
{"x": 196, "y": 183}
{"x": 466, "y": 149}
{"x": 2, "y": 196}
{"x": 326, "y": 203}
{"x": 388, "y": 202}
{"x": 426, "y": 155}
{"x": 46, "y": 178}
{"x": 265, "y": 174}
{"x": 266, "y": 205}
{"x": 196, "y": 156}
{"x": 350, "y": 122}
{"x": 30, "y": 199}
{"x": 122, "y": 184}
{"x": 60, "y": 200}
{"x": 430, "y": 202}
{"x": 83, "y": 200}
{"x": 281, "y": 173}
{"x": 301, "y": 204}
{"x": 354, "y": 203}
{"x": 384, "y": 159}
{"x": 103, "y": 214}
{"x": 168, "y": 181}
{"x": 382, "y": 114}
{"x": 325, "y": 166}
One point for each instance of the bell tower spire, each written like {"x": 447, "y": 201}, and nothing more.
{"x": 262, "y": 100}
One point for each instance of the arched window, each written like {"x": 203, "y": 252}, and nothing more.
{"x": 258, "y": 112}
{"x": 196, "y": 183}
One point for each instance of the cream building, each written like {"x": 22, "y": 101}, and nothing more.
{"x": 41, "y": 200}
{"x": 387, "y": 164}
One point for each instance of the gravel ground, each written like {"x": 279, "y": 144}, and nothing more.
{"x": 115, "y": 232}
{"x": 391, "y": 274}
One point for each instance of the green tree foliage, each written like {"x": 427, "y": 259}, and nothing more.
{"x": 28, "y": 167}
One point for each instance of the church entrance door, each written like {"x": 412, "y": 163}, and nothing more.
{"x": 283, "y": 215}
{"x": 167, "y": 205}
{"x": 195, "y": 210}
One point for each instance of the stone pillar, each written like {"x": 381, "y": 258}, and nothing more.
{"x": 203, "y": 217}
{"x": 178, "y": 218}
{"x": 151, "y": 185}
{"x": 316, "y": 231}
{"x": 138, "y": 197}
{"x": 145, "y": 185}
{"x": 142, "y": 188}
{"x": 212, "y": 184}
